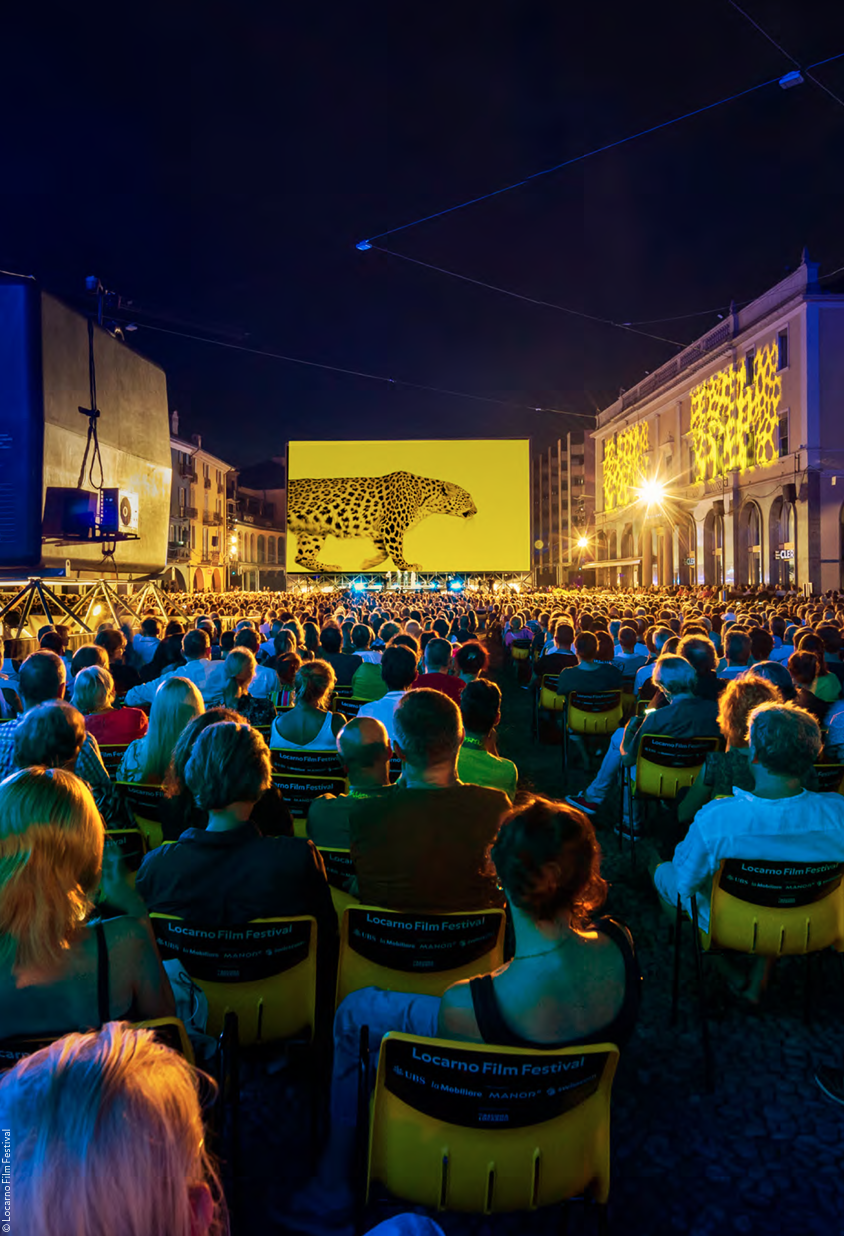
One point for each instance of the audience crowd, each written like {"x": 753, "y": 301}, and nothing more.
{"x": 217, "y": 707}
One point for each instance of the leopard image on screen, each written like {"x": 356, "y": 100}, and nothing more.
{"x": 381, "y": 508}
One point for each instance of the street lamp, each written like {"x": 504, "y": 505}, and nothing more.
{"x": 582, "y": 542}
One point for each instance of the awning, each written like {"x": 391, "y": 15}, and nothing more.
{"x": 613, "y": 562}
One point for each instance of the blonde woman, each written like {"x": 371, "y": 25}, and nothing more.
{"x": 239, "y": 668}
{"x": 138, "y": 1142}
{"x": 177, "y": 701}
{"x": 59, "y": 971}
{"x": 309, "y": 726}
{"x": 93, "y": 695}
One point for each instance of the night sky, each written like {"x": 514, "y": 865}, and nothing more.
{"x": 217, "y": 164}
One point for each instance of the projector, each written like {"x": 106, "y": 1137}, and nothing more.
{"x": 119, "y": 511}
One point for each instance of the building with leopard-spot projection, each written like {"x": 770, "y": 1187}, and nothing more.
{"x": 745, "y": 431}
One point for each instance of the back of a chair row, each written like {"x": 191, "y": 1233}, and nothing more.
{"x": 168, "y": 1030}
{"x": 777, "y": 908}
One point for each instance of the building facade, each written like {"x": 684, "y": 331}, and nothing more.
{"x": 198, "y": 549}
{"x": 562, "y": 489}
{"x": 257, "y": 513}
{"x": 726, "y": 465}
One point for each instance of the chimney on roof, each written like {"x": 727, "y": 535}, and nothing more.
{"x": 812, "y": 269}
{"x": 196, "y": 439}
{"x": 174, "y": 423}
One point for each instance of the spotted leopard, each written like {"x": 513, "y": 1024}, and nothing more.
{"x": 382, "y": 508}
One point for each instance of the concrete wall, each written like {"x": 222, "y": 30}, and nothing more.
{"x": 134, "y": 432}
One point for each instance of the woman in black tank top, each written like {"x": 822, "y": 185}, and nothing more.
{"x": 571, "y": 980}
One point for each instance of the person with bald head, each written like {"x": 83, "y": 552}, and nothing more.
{"x": 364, "y": 749}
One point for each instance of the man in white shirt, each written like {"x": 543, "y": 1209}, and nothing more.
{"x": 206, "y": 674}
{"x": 656, "y": 638}
{"x": 145, "y": 644}
{"x": 265, "y": 681}
{"x": 778, "y": 822}
{"x": 398, "y": 669}
{"x": 629, "y": 645}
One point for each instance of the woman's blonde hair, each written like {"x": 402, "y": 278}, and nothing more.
{"x": 314, "y": 683}
{"x": 177, "y": 701}
{"x": 238, "y": 664}
{"x": 51, "y": 856}
{"x": 737, "y": 701}
{"x": 108, "y": 1137}
{"x": 93, "y": 689}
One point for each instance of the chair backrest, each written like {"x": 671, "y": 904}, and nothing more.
{"x": 307, "y": 763}
{"x": 776, "y": 908}
{"x": 146, "y": 803}
{"x": 169, "y": 1030}
{"x": 132, "y": 845}
{"x": 299, "y": 792}
{"x": 111, "y": 753}
{"x": 520, "y": 649}
{"x": 263, "y": 970}
{"x": 421, "y": 953}
{"x": 548, "y": 697}
{"x": 396, "y": 766}
{"x": 350, "y": 707}
{"x": 665, "y": 764}
{"x": 830, "y": 778}
{"x": 594, "y": 712}
{"x": 460, "y": 1126}
{"x": 339, "y": 870}
{"x": 264, "y": 731}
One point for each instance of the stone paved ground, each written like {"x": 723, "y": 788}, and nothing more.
{"x": 764, "y": 1154}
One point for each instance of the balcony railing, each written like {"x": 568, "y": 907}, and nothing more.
{"x": 178, "y": 552}
{"x": 189, "y": 512}
{"x": 220, "y": 488}
{"x": 188, "y": 470}
{"x": 207, "y": 482}
{"x": 208, "y": 517}
{"x": 218, "y": 518}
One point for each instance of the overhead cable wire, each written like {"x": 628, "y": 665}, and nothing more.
{"x": 532, "y": 300}
{"x": 788, "y": 54}
{"x": 588, "y": 154}
{"x": 358, "y": 373}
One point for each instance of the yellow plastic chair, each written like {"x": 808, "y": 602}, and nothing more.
{"x": 111, "y": 753}
{"x": 487, "y": 1130}
{"x": 339, "y": 870}
{"x": 589, "y": 714}
{"x": 146, "y": 803}
{"x": 170, "y": 1030}
{"x": 766, "y": 909}
{"x": 132, "y": 845}
{"x": 299, "y": 792}
{"x": 307, "y": 763}
{"x": 548, "y": 697}
{"x": 264, "y": 971}
{"x": 665, "y": 765}
{"x": 419, "y": 953}
{"x": 830, "y": 778}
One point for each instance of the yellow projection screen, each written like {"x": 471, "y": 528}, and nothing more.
{"x": 421, "y": 506}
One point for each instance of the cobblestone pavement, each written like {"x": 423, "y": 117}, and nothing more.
{"x": 763, "y": 1154}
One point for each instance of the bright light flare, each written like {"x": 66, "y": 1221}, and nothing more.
{"x": 652, "y": 492}
{"x": 582, "y": 542}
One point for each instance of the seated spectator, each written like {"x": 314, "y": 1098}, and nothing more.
{"x": 144, "y": 645}
{"x": 84, "y": 657}
{"x": 777, "y": 674}
{"x": 240, "y": 670}
{"x": 52, "y": 641}
{"x": 761, "y": 645}
{"x": 804, "y": 669}
{"x": 364, "y": 750}
{"x": 271, "y": 815}
{"x": 147, "y": 759}
{"x": 737, "y": 647}
{"x": 93, "y": 695}
{"x": 471, "y": 660}
{"x": 344, "y": 664}
{"x": 133, "y": 1104}
{"x": 574, "y": 979}
{"x": 41, "y": 679}
{"x": 831, "y": 637}
{"x": 286, "y": 668}
{"x": 629, "y": 654}
{"x": 437, "y": 665}
{"x": 827, "y": 686}
{"x": 60, "y": 971}
{"x": 227, "y": 873}
{"x": 422, "y": 846}
{"x": 518, "y": 633}
{"x": 479, "y": 762}
{"x": 167, "y": 657}
{"x": 50, "y": 736}
{"x": 265, "y": 681}
{"x": 309, "y": 725}
{"x": 561, "y": 657}
{"x": 589, "y": 675}
{"x": 685, "y": 715}
{"x": 367, "y": 683}
{"x": 724, "y": 771}
{"x": 656, "y": 639}
{"x": 198, "y": 668}
{"x": 699, "y": 651}
{"x": 398, "y": 670}
{"x": 780, "y": 821}
{"x": 125, "y": 676}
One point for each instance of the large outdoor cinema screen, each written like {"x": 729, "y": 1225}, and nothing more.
{"x": 410, "y": 506}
